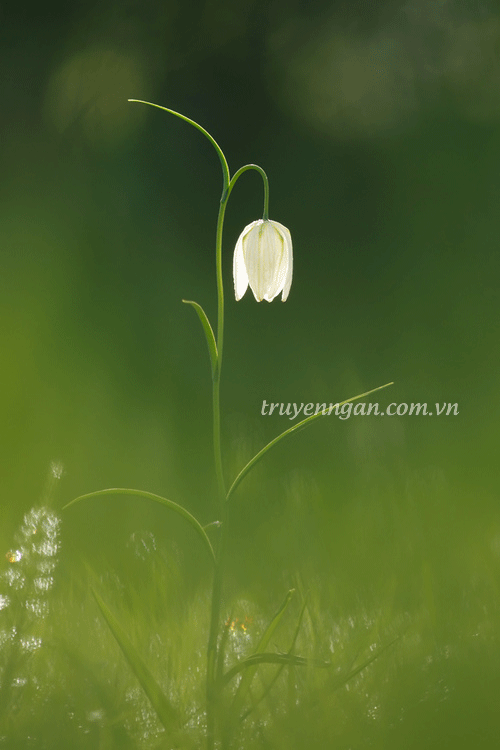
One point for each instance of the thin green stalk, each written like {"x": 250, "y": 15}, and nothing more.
{"x": 221, "y": 488}
{"x": 212, "y": 698}
{"x": 213, "y": 686}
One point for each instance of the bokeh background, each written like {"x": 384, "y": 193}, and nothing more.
{"x": 378, "y": 125}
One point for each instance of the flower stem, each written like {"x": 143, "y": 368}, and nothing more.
{"x": 221, "y": 489}
{"x": 211, "y": 687}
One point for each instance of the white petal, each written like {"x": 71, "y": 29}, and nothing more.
{"x": 255, "y": 259}
{"x": 289, "y": 259}
{"x": 240, "y": 275}
{"x": 278, "y": 258}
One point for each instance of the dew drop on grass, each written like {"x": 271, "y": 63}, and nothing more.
{"x": 14, "y": 555}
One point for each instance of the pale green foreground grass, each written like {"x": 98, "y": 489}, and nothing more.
{"x": 428, "y": 633}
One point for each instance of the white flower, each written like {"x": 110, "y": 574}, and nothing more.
{"x": 263, "y": 259}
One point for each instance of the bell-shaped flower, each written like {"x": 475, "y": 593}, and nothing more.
{"x": 263, "y": 259}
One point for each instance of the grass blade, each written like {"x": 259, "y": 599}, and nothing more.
{"x": 157, "y": 499}
{"x": 299, "y": 426}
{"x": 166, "y": 712}
{"x": 249, "y": 666}
{"x": 342, "y": 679}
{"x": 291, "y": 661}
{"x": 287, "y": 659}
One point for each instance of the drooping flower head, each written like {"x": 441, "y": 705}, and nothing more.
{"x": 263, "y": 258}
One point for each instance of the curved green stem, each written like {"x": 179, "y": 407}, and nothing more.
{"x": 237, "y": 175}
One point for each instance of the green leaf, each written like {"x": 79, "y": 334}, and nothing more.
{"x": 299, "y": 426}
{"x": 274, "y": 623}
{"x": 288, "y": 659}
{"x": 157, "y": 499}
{"x": 272, "y": 658}
{"x": 166, "y": 712}
{"x": 220, "y": 154}
{"x": 209, "y": 334}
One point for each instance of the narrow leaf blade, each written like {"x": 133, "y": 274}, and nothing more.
{"x": 157, "y": 499}
{"x": 299, "y": 426}
{"x": 208, "y": 331}
{"x": 222, "y": 158}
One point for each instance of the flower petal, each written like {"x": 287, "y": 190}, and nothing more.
{"x": 289, "y": 259}
{"x": 240, "y": 275}
{"x": 262, "y": 251}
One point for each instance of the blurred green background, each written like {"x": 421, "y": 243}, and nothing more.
{"x": 379, "y": 128}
